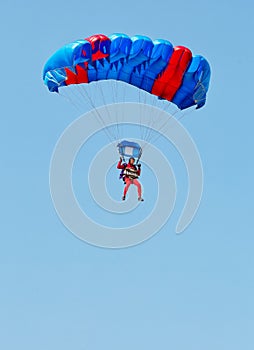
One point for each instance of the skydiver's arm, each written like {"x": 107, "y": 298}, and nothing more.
{"x": 120, "y": 165}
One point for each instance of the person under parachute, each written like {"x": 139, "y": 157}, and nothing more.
{"x": 171, "y": 73}
{"x": 130, "y": 176}
{"x": 130, "y": 172}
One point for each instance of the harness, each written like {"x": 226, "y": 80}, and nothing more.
{"x": 131, "y": 173}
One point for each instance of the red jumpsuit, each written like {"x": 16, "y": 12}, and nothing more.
{"x": 131, "y": 174}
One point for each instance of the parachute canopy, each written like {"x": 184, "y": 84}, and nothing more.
{"x": 129, "y": 149}
{"x": 171, "y": 73}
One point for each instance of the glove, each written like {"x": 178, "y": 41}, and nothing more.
{"x": 139, "y": 166}
{"x": 121, "y": 159}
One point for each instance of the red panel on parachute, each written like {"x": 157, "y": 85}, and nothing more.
{"x": 167, "y": 84}
{"x": 82, "y": 76}
{"x": 100, "y": 46}
{"x": 78, "y": 77}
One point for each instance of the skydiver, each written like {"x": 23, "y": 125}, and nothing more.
{"x": 131, "y": 172}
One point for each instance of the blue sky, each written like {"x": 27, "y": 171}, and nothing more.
{"x": 189, "y": 291}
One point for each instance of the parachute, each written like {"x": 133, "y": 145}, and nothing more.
{"x": 155, "y": 66}
{"x": 91, "y": 70}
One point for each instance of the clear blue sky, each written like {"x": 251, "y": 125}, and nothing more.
{"x": 193, "y": 291}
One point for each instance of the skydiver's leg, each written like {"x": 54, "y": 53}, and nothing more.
{"x": 137, "y": 183}
{"x": 128, "y": 183}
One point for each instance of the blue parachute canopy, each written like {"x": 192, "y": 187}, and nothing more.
{"x": 129, "y": 149}
{"x": 171, "y": 73}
